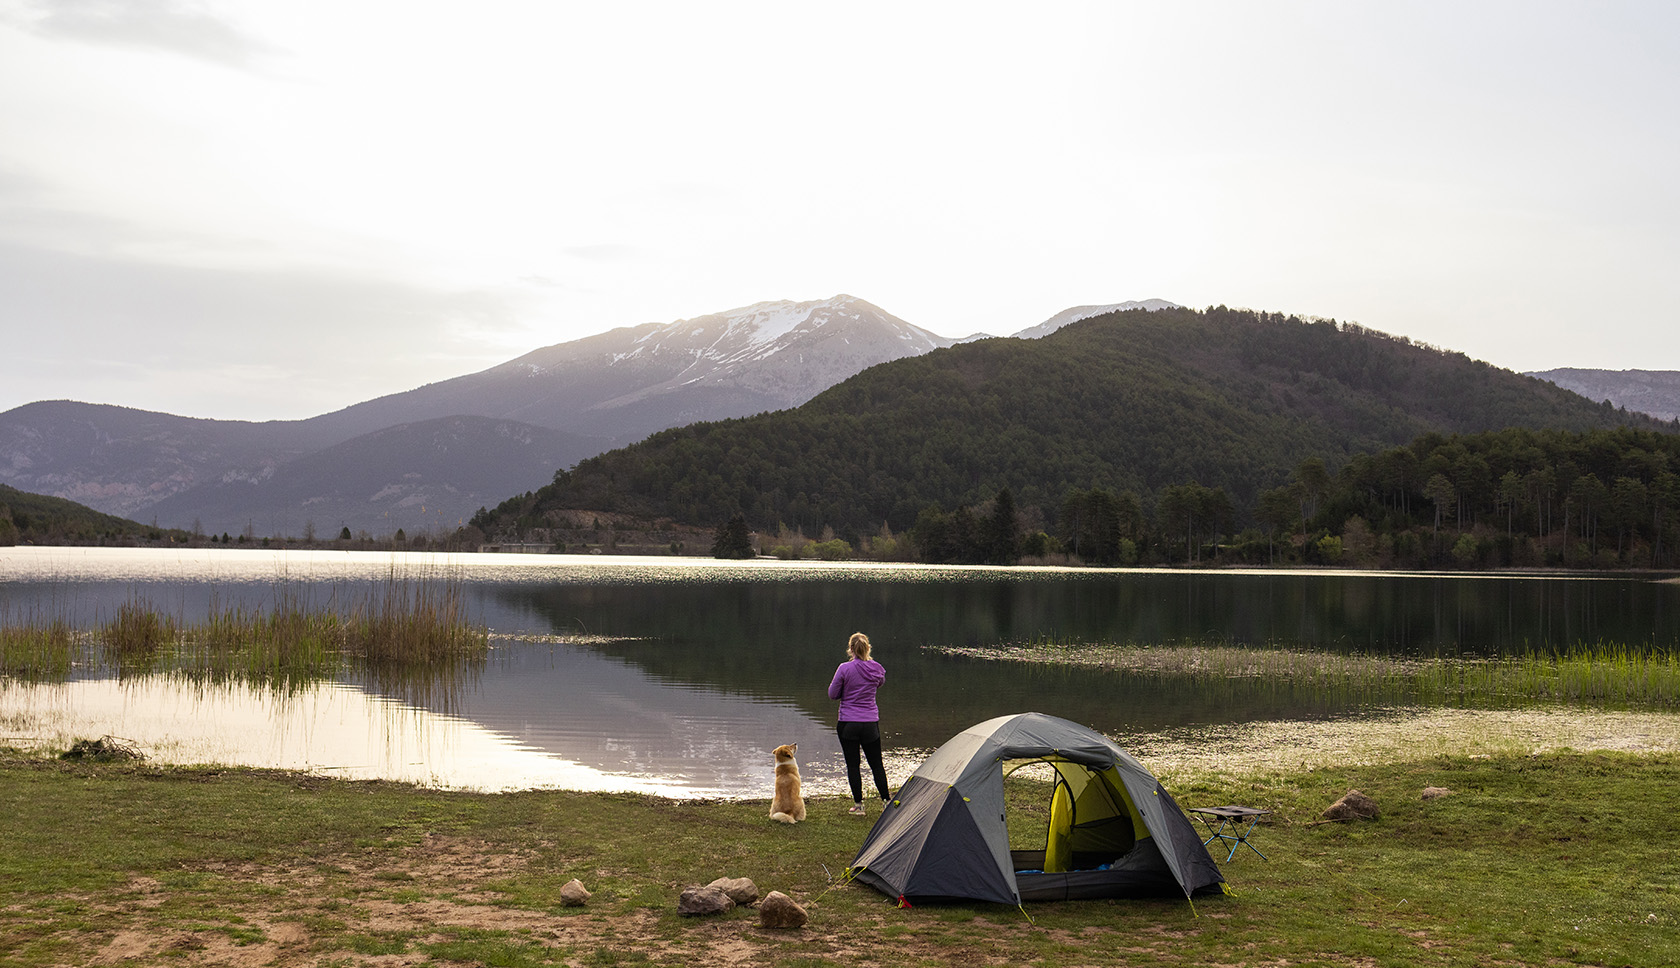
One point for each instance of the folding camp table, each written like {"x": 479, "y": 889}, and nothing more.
{"x": 1235, "y": 824}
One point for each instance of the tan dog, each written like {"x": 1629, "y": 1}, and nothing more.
{"x": 787, "y": 806}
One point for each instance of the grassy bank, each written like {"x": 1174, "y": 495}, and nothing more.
{"x": 1560, "y": 859}
{"x": 1599, "y": 674}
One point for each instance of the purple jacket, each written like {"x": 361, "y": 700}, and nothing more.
{"x": 854, "y": 685}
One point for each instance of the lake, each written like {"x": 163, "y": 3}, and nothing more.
{"x": 678, "y": 675}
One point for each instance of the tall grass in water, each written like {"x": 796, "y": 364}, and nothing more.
{"x": 1600, "y": 674}
{"x": 412, "y": 622}
{"x": 36, "y": 648}
{"x": 412, "y": 639}
{"x": 286, "y": 646}
{"x": 135, "y": 640}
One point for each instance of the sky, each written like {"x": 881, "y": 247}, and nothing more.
{"x": 270, "y": 210}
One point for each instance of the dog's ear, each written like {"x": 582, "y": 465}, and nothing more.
{"x": 794, "y": 748}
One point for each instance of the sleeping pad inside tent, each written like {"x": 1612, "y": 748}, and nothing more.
{"x": 1113, "y": 830}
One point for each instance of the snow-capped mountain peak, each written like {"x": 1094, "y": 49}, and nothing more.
{"x": 766, "y": 356}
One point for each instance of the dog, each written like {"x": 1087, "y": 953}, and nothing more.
{"x": 787, "y": 806}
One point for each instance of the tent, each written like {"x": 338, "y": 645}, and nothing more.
{"x": 1113, "y": 830}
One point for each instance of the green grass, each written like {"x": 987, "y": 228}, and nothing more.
{"x": 1602, "y": 674}
{"x": 1559, "y": 859}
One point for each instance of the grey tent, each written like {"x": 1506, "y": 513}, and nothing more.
{"x": 1113, "y": 831}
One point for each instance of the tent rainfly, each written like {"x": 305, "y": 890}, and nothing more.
{"x": 1113, "y": 831}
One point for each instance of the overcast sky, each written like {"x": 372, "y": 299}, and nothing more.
{"x": 274, "y": 209}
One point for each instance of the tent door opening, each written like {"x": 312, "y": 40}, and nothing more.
{"x": 1091, "y": 822}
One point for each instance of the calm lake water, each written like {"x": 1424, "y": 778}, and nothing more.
{"x": 679, "y": 675}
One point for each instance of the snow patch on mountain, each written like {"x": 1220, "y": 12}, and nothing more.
{"x": 781, "y": 352}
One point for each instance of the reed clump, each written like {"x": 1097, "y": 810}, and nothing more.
{"x": 409, "y": 622}
{"x": 36, "y": 648}
{"x": 413, "y": 640}
{"x": 411, "y": 637}
{"x": 135, "y": 639}
{"x": 285, "y": 646}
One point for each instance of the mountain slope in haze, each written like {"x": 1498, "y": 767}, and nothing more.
{"x": 425, "y": 477}
{"x": 1077, "y": 313}
{"x": 613, "y": 387}
{"x": 122, "y": 461}
{"x": 1129, "y": 400}
{"x": 1656, "y": 392}
{"x": 627, "y": 383}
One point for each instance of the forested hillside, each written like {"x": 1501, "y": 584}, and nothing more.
{"x": 1142, "y": 402}
{"x": 1605, "y": 498}
{"x": 37, "y": 519}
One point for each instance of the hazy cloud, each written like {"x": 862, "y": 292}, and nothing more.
{"x": 228, "y": 343}
{"x": 431, "y": 189}
{"x": 178, "y": 26}
{"x": 604, "y": 252}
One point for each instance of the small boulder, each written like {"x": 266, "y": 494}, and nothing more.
{"x": 1352, "y": 806}
{"x": 697, "y": 901}
{"x": 741, "y": 890}
{"x": 1436, "y": 793}
{"x": 777, "y": 910}
{"x": 574, "y": 894}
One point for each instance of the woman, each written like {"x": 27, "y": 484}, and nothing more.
{"x": 859, "y": 726}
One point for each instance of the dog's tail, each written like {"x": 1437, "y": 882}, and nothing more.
{"x": 781, "y": 817}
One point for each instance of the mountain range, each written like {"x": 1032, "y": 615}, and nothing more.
{"x": 425, "y": 459}
{"x": 1122, "y": 400}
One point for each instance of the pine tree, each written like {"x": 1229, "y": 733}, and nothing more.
{"x": 733, "y": 540}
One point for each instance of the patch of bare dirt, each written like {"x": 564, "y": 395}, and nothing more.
{"x": 308, "y": 910}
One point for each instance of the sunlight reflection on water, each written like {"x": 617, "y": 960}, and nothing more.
{"x": 337, "y": 730}
{"x": 328, "y": 728}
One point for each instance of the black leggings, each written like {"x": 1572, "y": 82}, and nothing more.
{"x": 867, "y": 738}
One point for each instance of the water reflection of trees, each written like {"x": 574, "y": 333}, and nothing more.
{"x": 780, "y": 641}
{"x": 1388, "y": 614}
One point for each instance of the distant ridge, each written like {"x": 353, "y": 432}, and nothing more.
{"x": 1077, "y": 313}
{"x": 1656, "y": 392}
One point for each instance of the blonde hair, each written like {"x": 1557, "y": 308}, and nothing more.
{"x": 858, "y": 645}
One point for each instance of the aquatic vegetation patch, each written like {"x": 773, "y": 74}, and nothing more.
{"x": 287, "y": 645}
{"x": 136, "y": 636}
{"x": 412, "y": 637}
{"x": 35, "y": 647}
{"x": 1601, "y": 674}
